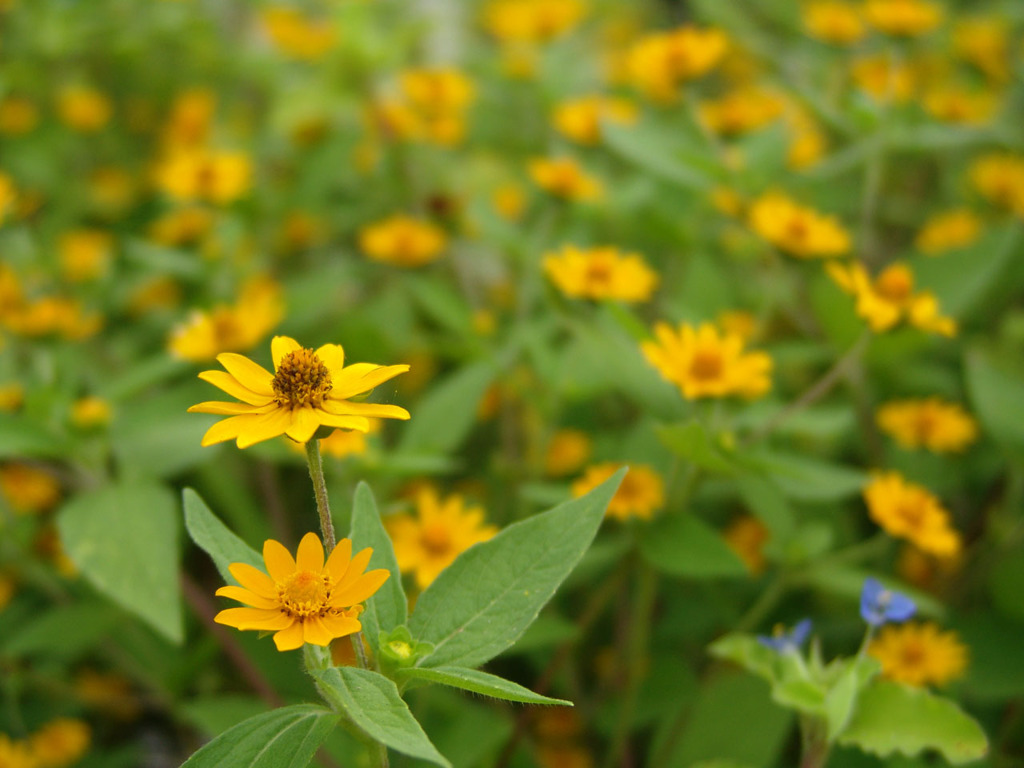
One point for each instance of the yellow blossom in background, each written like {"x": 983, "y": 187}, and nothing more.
{"x": 202, "y": 174}
{"x": 12, "y": 396}
{"x": 154, "y": 295}
{"x": 53, "y": 315}
{"x": 884, "y": 78}
{"x": 49, "y": 546}
{"x": 60, "y": 742}
{"x": 797, "y": 230}
{"x": 342, "y": 443}
{"x": 738, "y": 322}
{"x": 301, "y": 230}
{"x": 184, "y": 226}
{"x": 303, "y": 599}
{"x": 519, "y": 62}
{"x": 391, "y": 120}
{"x": 949, "y": 230}
{"x": 90, "y": 412}
{"x": 909, "y": 511}
{"x": 834, "y": 22}
{"x": 85, "y": 254}
{"x": 999, "y": 178}
{"x": 567, "y": 451}
{"x": 8, "y": 196}
{"x": 930, "y": 423}
{"x": 919, "y": 654}
{"x": 985, "y": 43}
{"x": 807, "y": 144}
{"x": 563, "y": 177}
{"x": 727, "y": 200}
{"x": 83, "y": 109}
{"x": 890, "y": 298}
{"x": 112, "y": 190}
{"x": 308, "y": 389}
{"x": 558, "y": 755}
{"x": 189, "y": 120}
{"x": 18, "y": 115}
{"x": 662, "y": 61}
{"x": 531, "y": 21}
{"x": 746, "y": 536}
{"x": 436, "y": 91}
{"x": 581, "y": 119}
{"x": 600, "y": 274}
{"x": 403, "y": 240}
{"x": 109, "y": 692}
{"x": 741, "y": 110}
{"x": 6, "y": 593}
{"x": 903, "y": 18}
{"x": 953, "y": 104}
{"x": 704, "y": 362}
{"x": 429, "y": 540}
{"x": 14, "y": 753}
{"x": 297, "y": 35}
{"x": 640, "y": 495}
{"x": 509, "y": 201}
{"x": 926, "y": 571}
{"x": 27, "y": 489}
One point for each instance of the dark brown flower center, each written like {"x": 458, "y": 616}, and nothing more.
{"x": 302, "y": 379}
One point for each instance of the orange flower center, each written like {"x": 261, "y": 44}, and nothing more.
{"x": 913, "y": 654}
{"x": 706, "y": 365}
{"x": 798, "y": 228}
{"x": 302, "y": 379}
{"x": 895, "y": 284}
{"x": 599, "y": 273}
{"x": 436, "y": 539}
{"x": 305, "y": 593}
{"x": 912, "y": 513}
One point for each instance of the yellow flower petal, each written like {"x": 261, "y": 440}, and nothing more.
{"x": 333, "y": 356}
{"x": 229, "y": 429}
{"x": 340, "y": 626}
{"x": 253, "y": 579}
{"x": 303, "y": 424}
{"x": 264, "y": 427}
{"x": 313, "y": 631}
{"x": 362, "y": 377}
{"x": 233, "y": 387}
{"x": 249, "y": 374}
{"x": 354, "y": 570}
{"x": 370, "y": 410}
{"x": 280, "y": 564}
{"x": 253, "y": 618}
{"x": 229, "y": 409}
{"x": 245, "y": 596}
{"x": 357, "y": 423}
{"x": 310, "y": 555}
{"x": 340, "y": 557}
{"x": 361, "y": 589}
{"x": 289, "y": 638}
{"x": 281, "y": 346}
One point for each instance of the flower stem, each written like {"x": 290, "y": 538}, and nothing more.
{"x": 323, "y": 507}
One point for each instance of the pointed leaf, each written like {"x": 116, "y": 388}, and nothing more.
{"x": 478, "y": 682}
{"x": 215, "y": 538}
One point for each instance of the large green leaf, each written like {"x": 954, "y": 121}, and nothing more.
{"x": 124, "y": 540}
{"x": 65, "y": 631}
{"x": 215, "y": 538}
{"x": 478, "y": 682}
{"x": 814, "y": 480}
{"x": 684, "y": 545}
{"x": 660, "y": 153}
{"x": 995, "y": 390}
{"x": 21, "y": 438}
{"x": 388, "y": 608}
{"x": 692, "y": 442}
{"x": 484, "y": 601}
{"x": 445, "y": 415}
{"x": 284, "y": 738}
{"x": 373, "y": 703}
{"x": 892, "y": 717}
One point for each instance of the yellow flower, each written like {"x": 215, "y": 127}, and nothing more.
{"x": 188, "y": 124}
{"x": 403, "y": 241}
{"x": 509, "y": 201}
{"x": 947, "y": 231}
{"x": 13, "y": 753}
{"x": 908, "y": 511}
{"x": 201, "y": 174}
{"x": 83, "y": 109}
{"x": 660, "y": 62}
{"x": 884, "y": 79}
{"x": 154, "y": 294}
{"x": 184, "y": 226}
{"x": 833, "y": 22}
{"x": 727, "y": 200}
{"x": 230, "y": 328}
{"x": 600, "y": 274}
{"x": 8, "y": 196}
{"x": 54, "y": 314}
{"x": 919, "y": 654}
{"x": 531, "y": 21}
{"x": 12, "y": 396}
{"x": 26, "y": 489}
{"x": 999, "y": 178}
{"x": 308, "y": 389}
{"x": 296, "y": 35}
{"x": 640, "y": 495}
{"x": 302, "y": 600}
{"x": 85, "y": 254}
{"x": 903, "y": 18}
{"x": 18, "y": 115}
{"x": 703, "y": 363}
{"x": 927, "y": 571}
{"x": 436, "y": 91}
{"x": 738, "y": 322}
{"x": 953, "y": 104}
{"x": 741, "y": 110}
{"x": 60, "y": 742}
{"x": 108, "y": 692}
{"x": 746, "y": 536}
{"x": 567, "y": 450}
{"x": 930, "y": 423}
{"x": 985, "y": 43}
{"x": 111, "y": 190}
{"x": 429, "y": 541}
{"x": 6, "y": 593}
{"x": 342, "y": 442}
{"x": 563, "y": 177}
{"x": 807, "y": 143}
{"x": 581, "y": 119}
{"x": 301, "y": 230}
{"x": 90, "y": 412}
{"x": 797, "y": 230}
{"x": 890, "y": 299}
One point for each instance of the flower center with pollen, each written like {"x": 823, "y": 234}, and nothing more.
{"x": 301, "y": 380}
{"x": 304, "y": 593}
{"x": 436, "y": 539}
{"x": 706, "y": 366}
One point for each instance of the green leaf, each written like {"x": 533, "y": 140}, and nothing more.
{"x": 23, "y": 438}
{"x": 448, "y": 411}
{"x": 813, "y": 480}
{"x": 215, "y": 714}
{"x": 684, "y": 545}
{"x": 841, "y": 698}
{"x": 284, "y": 738}
{"x": 481, "y": 603}
{"x": 388, "y": 608}
{"x": 995, "y": 390}
{"x": 64, "y": 631}
{"x": 215, "y": 538}
{"x": 658, "y": 152}
{"x": 692, "y": 442}
{"x": 374, "y": 705}
{"x": 478, "y": 682}
{"x": 123, "y": 539}
{"x": 764, "y": 499}
{"x": 892, "y": 717}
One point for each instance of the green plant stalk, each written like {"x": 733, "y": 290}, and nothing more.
{"x": 814, "y": 744}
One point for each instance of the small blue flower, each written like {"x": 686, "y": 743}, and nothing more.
{"x": 783, "y": 641}
{"x": 879, "y": 605}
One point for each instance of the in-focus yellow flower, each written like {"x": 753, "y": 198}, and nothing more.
{"x": 531, "y": 21}
{"x": 909, "y": 511}
{"x": 660, "y": 62}
{"x": 884, "y": 78}
{"x": 797, "y": 230}
{"x": 83, "y": 109}
{"x": 309, "y": 389}
{"x": 953, "y": 104}
{"x": 640, "y": 495}
{"x": 509, "y": 201}
{"x": 303, "y": 599}
{"x": 567, "y": 451}
{"x": 85, "y": 254}
{"x": 18, "y": 116}
{"x": 90, "y": 412}
{"x": 60, "y": 742}
{"x": 185, "y": 226}
{"x": 903, "y": 18}
{"x": 746, "y": 536}
{"x": 563, "y": 177}
{"x": 600, "y": 274}
{"x": 890, "y": 299}
{"x": 705, "y": 363}
{"x": 834, "y": 22}
{"x": 581, "y": 119}
{"x": 741, "y": 110}
{"x": 985, "y": 43}
{"x": 403, "y": 240}
{"x": 999, "y": 178}
{"x": 202, "y": 174}
{"x": 230, "y": 328}
{"x": 428, "y": 541}
{"x": 27, "y": 489}
{"x": 919, "y": 654}
{"x": 12, "y": 396}
{"x": 297, "y": 35}
{"x": 930, "y": 423}
{"x": 957, "y": 228}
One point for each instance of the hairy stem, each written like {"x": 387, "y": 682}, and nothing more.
{"x": 323, "y": 507}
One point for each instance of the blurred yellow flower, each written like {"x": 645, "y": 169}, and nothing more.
{"x": 600, "y": 274}
{"x": 834, "y": 22}
{"x": 429, "y": 540}
{"x": 309, "y": 389}
{"x": 746, "y": 536}
{"x": 12, "y": 395}
{"x": 303, "y": 599}
{"x": 18, "y": 115}
{"x": 28, "y": 489}
{"x": 109, "y": 692}
{"x": 641, "y": 494}
{"x": 60, "y": 742}
{"x": 52, "y": 315}
{"x": 301, "y": 230}
{"x": 436, "y": 91}
{"x": 403, "y": 240}
{"x": 8, "y": 196}
{"x": 581, "y": 119}
{"x": 564, "y": 755}
{"x": 531, "y": 21}
{"x": 342, "y": 443}
{"x": 6, "y": 593}
{"x": 154, "y": 294}
{"x": 85, "y": 254}
{"x": 563, "y": 177}
{"x": 797, "y": 230}
{"x": 884, "y": 78}
{"x": 660, "y": 62}
{"x": 919, "y": 654}
{"x": 509, "y": 201}
{"x": 738, "y": 322}
{"x": 567, "y": 451}
{"x": 727, "y": 200}
{"x": 90, "y": 412}
{"x": 955, "y": 104}
{"x": 741, "y": 110}
{"x": 185, "y": 226}
{"x": 298, "y": 35}
{"x": 807, "y": 141}
{"x": 999, "y": 178}
{"x": 908, "y": 511}
{"x": 111, "y": 190}
{"x": 188, "y": 123}
{"x": 15, "y": 753}
{"x": 202, "y": 174}
{"x": 985, "y": 43}
{"x": 890, "y": 298}
{"x": 957, "y": 228}
{"x": 930, "y": 423}
{"x": 83, "y": 109}
{"x": 926, "y": 571}
{"x": 903, "y": 18}
{"x": 703, "y": 362}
